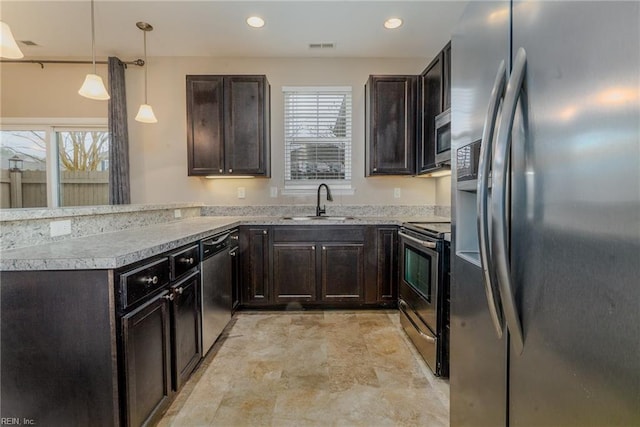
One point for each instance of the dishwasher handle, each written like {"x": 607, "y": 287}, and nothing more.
{"x": 214, "y": 245}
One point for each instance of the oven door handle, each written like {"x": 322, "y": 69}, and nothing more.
{"x": 403, "y": 307}
{"x": 486, "y": 148}
{"x": 430, "y": 245}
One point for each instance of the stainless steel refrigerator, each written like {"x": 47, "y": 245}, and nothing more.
{"x": 545, "y": 291}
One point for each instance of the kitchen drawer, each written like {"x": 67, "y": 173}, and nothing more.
{"x": 142, "y": 281}
{"x": 184, "y": 260}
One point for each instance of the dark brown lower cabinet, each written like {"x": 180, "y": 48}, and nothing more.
{"x": 160, "y": 341}
{"x": 185, "y": 328}
{"x": 387, "y": 262}
{"x": 342, "y": 272}
{"x": 147, "y": 360}
{"x": 255, "y": 266}
{"x": 294, "y": 272}
{"x": 317, "y": 266}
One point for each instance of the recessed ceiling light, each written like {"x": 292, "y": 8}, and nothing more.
{"x": 392, "y": 23}
{"x": 255, "y": 22}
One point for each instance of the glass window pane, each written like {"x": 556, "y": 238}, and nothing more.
{"x": 417, "y": 272}
{"x": 23, "y": 174}
{"x": 83, "y": 158}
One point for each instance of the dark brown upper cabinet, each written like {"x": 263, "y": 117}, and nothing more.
{"x": 434, "y": 98}
{"x": 228, "y": 125}
{"x": 446, "y": 77}
{"x": 390, "y": 125}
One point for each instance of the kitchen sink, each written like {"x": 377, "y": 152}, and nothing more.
{"x": 313, "y": 217}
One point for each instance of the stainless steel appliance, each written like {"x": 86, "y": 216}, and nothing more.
{"x": 424, "y": 289}
{"x": 544, "y": 301}
{"x": 217, "y": 286}
{"x": 443, "y": 138}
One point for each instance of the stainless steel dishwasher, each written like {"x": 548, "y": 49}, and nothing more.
{"x": 216, "y": 281}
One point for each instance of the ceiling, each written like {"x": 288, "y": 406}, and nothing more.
{"x": 218, "y": 28}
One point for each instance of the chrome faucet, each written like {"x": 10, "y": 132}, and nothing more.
{"x": 320, "y": 211}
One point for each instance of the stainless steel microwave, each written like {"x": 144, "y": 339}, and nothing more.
{"x": 443, "y": 138}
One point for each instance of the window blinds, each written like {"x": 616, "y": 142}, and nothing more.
{"x": 317, "y": 126}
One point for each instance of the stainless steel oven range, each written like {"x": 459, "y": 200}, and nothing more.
{"x": 424, "y": 290}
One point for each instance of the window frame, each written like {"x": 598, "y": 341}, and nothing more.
{"x": 309, "y": 187}
{"x": 51, "y": 126}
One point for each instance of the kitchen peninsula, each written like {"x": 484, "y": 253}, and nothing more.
{"x": 64, "y": 353}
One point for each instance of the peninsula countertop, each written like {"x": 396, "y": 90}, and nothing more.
{"x": 117, "y": 249}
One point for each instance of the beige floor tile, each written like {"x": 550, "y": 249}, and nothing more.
{"x": 312, "y": 368}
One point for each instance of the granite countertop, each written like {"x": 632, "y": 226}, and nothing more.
{"x": 117, "y": 249}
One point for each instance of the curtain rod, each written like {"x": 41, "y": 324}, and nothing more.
{"x": 138, "y": 62}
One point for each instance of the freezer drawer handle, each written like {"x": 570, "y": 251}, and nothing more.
{"x": 403, "y": 308}
{"x": 486, "y": 147}
{"x": 499, "y": 223}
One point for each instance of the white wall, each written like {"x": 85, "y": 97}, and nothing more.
{"x": 158, "y": 152}
{"x": 443, "y": 191}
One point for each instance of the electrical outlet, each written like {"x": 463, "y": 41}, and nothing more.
{"x": 241, "y": 193}
{"x": 60, "y": 228}
{"x": 177, "y": 213}
{"x": 397, "y": 193}
{"x": 274, "y": 192}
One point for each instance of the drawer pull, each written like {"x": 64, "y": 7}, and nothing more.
{"x": 188, "y": 261}
{"x": 150, "y": 280}
{"x": 180, "y": 290}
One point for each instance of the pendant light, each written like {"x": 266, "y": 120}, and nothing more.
{"x": 93, "y": 87}
{"x": 8, "y": 46}
{"x": 145, "y": 113}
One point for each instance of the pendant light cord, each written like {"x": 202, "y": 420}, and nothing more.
{"x": 144, "y": 33}
{"x": 93, "y": 40}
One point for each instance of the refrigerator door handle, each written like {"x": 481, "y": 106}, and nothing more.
{"x": 486, "y": 146}
{"x": 500, "y": 225}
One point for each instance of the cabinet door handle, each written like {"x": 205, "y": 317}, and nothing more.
{"x": 188, "y": 261}
{"x": 180, "y": 290}
{"x": 220, "y": 171}
{"x": 234, "y": 237}
{"x": 375, "y": 169}
{"x": 168, "y": 297}
{"x": 230, "y": 170}
{"x": 313, "y": 248}
{"x": 264, "y": 231}
{"x": 324, "y": 248}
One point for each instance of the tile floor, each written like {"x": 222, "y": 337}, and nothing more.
{"x": 312, "y": 368}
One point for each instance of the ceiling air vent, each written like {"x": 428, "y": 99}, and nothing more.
{"x": 322, "y": 45}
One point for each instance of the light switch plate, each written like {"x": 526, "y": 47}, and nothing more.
{"x": 60, "y": 228}
{"x": 397, "y": 192}
{"x": 177, "y": 213}
{"x": 274, "y": 192}
{"x": 241, "y": 193}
